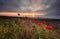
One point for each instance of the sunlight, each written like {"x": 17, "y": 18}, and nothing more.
{"x": 15, "y": 14}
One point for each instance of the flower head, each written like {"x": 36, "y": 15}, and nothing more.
{"x": 44, "y": 22}
{"x": 26, "y": 17}
{"x": 49, "y": 27}
{"x": 38, "y": 22}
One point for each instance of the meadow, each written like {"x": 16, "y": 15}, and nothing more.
{"x": 27, "y": 28}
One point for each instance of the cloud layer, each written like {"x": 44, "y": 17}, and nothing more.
{"x": 51, "y": 7}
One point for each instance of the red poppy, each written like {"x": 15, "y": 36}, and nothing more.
{"x": 44, "y": 22}
{"x": 49, "y": 27}
{"x": 26, "y": 17}
{"x": 39, "y": 23}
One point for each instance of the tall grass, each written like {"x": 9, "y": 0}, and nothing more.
{"x": 18, "y": 28}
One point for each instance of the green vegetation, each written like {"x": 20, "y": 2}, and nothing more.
{"x": 18, "y": 28}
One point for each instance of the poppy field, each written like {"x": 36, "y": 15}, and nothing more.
{"x": 25, "y": 28}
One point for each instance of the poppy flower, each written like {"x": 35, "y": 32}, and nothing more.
{"x": 26, "y": 17}
{"x": 39, "y": 23}
{"x": 44, "y": 22}
{"x": 49, "y": 27}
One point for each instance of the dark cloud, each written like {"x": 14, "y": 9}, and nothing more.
{"x": 51, "y": 7}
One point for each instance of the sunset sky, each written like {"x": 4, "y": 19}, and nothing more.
{"x": 47, "y": 7}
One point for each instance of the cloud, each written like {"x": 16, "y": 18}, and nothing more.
{"x": 51, "y": 7}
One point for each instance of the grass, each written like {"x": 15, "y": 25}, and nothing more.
{"x": 19, "y": 28}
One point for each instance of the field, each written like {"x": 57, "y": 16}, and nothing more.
{"x": 27, "y": 28}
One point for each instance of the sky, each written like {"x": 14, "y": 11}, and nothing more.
{"x": 50, "y": 7}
